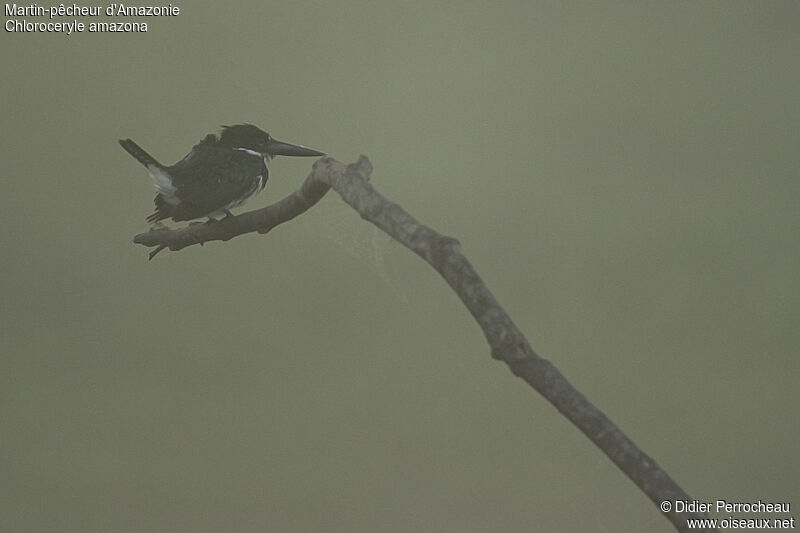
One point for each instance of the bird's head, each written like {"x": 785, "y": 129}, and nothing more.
{"x": 253, "y": 138}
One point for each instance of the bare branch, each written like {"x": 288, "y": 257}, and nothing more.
{"x": 506, "y": 341}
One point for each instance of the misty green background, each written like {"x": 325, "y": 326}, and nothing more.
{"x": 624, "y": 176}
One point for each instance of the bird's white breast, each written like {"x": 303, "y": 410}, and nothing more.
{"x": 258, "y": 186}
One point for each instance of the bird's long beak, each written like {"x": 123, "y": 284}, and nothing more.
{"x": 281, "y": 148}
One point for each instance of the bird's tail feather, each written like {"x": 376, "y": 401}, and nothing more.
{"x": 138, "y": 153}
{"x": 163, "y": 210}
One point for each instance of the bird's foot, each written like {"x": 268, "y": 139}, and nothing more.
{"x": 227, "y": 214}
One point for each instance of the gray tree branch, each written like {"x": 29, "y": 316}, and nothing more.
{"x": 506, "y": 341}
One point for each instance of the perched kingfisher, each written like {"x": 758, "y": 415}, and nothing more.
{"x": 221, "y": 172}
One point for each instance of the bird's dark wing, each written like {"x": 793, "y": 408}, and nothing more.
{"x": 212, "y": 178}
